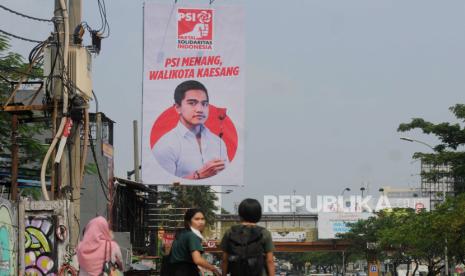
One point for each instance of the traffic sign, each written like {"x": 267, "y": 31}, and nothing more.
{"x": 374, "y": 268}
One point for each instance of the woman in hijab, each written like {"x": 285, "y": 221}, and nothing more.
{"x": 97, "y": 247}
{"x": 185, "y": 256}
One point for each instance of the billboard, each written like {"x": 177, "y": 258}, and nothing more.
{"x": 416, "y": 203}
{"x": 193, "y": 94}
{"x": 288, "y": 236}
{"x": 332, "y": 223}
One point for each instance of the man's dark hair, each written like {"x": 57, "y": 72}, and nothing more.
{"x": 250, "y": 210}
{"x": 182, "y": 88}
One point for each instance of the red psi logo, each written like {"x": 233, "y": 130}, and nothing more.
{"x": 195, "y": 29}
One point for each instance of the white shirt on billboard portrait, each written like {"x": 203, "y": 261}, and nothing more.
{"x": 178, "y": 151}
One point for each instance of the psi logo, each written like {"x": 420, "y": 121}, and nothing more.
{"x": 195, "y": 29}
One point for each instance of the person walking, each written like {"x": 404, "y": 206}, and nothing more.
{"x": 248, "y": 248}
{"x": 97, "y": 248}
{"x": 186, "y": 252}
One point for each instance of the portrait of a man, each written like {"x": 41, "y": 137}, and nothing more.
{"x": 191, "y": 150}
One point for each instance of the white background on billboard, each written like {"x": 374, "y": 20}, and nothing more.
{"x": 327, "y": 222}
{"x": 228, "y": 42}
{"x": 294, "y": 236}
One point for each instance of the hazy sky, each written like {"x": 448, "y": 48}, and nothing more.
{"x": 328, "y": 82}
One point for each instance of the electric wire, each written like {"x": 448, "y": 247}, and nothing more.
{"x": 24, "y": 15}
{"x": 103, "y": 17}
{"x": 94, "y": 155}
{"x": 20, "y": 37}
{"x": 102, "y": 182}
{"x": 92, "y": 147}
{"x": 65, "y": 102}
{"x": 33, "y": 59}
{"x": 5, "y": 79}
{"x": 17, "y": 71}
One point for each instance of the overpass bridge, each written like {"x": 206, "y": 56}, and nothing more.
{"x": 324, "y": 245}
{"x": 291, "y": 233}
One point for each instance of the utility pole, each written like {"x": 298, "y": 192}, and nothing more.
{"x": 68, "y": 155}
{"x": 75, "y": 9}
{"x": 57, "y": 88}
{"x": 15, "y": 157}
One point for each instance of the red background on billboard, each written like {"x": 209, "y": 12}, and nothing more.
{"x": 170, "y": 118}
{"x": 185, "y": 26}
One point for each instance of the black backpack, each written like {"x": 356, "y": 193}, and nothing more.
{"x": 246, "y": 253}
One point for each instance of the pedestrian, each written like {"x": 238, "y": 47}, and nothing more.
{"x": 247, "y": 247}
{"x": 186, "y": 251}
{"x": 97, "y": 248}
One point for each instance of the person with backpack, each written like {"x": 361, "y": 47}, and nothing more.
{"x": 186, "y": 251}
{"x": 247, "y": 247}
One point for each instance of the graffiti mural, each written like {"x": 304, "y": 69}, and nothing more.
{"x": 8, "y": 239}
{"x": 40, "y": 256}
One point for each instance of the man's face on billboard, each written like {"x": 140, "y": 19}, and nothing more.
{"x": 194, "y": 108}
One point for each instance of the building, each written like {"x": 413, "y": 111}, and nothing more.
{"x": 392, "y": 192}
{"x": 95, "y": 188}
{"x": 437, "y": 181}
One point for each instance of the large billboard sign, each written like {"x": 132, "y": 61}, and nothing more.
{"x": 288, "y": 236}
{"x": 330, "y": 224}
{"x": 193, "y": 95}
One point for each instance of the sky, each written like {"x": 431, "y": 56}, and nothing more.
{"x": 327, "y": 84}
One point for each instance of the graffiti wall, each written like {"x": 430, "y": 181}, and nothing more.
{"x": 40, "y": 246}
{"x": 8, "y": 238}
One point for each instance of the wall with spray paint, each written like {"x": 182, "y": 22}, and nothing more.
{"x": 46, "y": 236}
{"x": 37, "y": 244}
{"x": 8, "y": 238}
{"x": 40, "y": 246}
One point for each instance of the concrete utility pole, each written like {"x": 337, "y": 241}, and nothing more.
{"x": 69, "y": 168}
{"x": 75, "y": 9}
{"x": 57, "y": 88}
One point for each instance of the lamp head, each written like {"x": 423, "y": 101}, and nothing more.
{"x": 406, "y": 139}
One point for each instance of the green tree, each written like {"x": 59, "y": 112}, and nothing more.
{"x": 325, "y": 262}
{"x": 450, "y": 221}
{"x": 13, "y": 68}
{"x": 427, "y": 240}
{"x": 403, "y": 236}
{"x": 392, "y": 237}
{"x": 364, "y": 238}
{"x": 201, "y": 197}
{"x": 452, "y": 137}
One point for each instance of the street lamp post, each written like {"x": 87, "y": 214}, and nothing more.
{"x": 342, "y": 194}
{"x": 362, "y": 189}
{"x": 446, "y": 259}
{"x": 343, "y": 191}
{"x": 408, "y": 139}
{"x": 216, "y": 192}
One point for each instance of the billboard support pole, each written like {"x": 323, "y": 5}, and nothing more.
{"x": 136, "y": 151}
{"x": 343, "y": 263}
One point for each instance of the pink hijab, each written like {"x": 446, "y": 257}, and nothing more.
{"x": 91, "y": 249}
